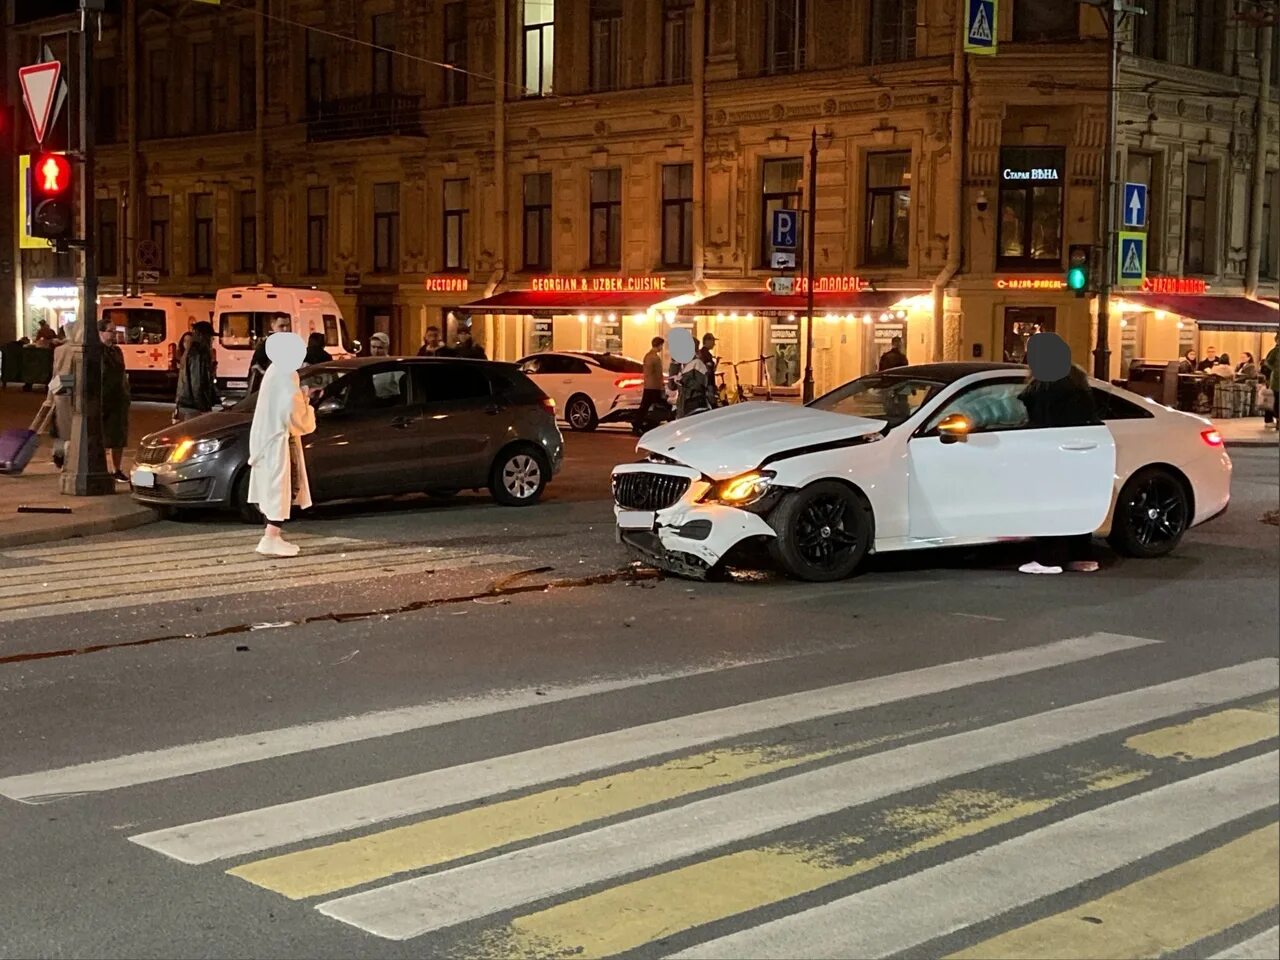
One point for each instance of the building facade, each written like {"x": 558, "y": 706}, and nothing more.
{"x": 583, "y": 174}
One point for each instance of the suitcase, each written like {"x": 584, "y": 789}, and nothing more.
{"x": 17, "y": 447}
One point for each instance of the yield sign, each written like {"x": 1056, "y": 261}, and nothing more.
{"x": 39, "y": 90}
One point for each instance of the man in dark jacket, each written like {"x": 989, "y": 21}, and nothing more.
{"x": 197, "y": 393}
{"x": 893, "y": 357}
{"x": 467, "y": 347}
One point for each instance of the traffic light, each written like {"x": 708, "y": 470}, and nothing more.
{"x": 52, "y": 196}
{"x": 1079, "y": 265}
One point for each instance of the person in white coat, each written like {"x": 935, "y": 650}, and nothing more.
{"x": 281, "y": 418}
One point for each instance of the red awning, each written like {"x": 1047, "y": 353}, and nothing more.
{"x": 1213, "y": 313}
{"x": 761, "y": 301}
{"x": 578, "y": 301}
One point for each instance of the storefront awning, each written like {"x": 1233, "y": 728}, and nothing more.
{"x": 552, "y": 302}
{"x": 763, "y": 302}
{"x": 1213, "y": 313}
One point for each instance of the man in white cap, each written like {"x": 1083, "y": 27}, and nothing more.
{"x": 379, "y": 345}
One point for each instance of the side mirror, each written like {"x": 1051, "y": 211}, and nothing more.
{"x": 331, "y": 406}
{"x": 954, "y": 428}
{"x": 356, "y": 346}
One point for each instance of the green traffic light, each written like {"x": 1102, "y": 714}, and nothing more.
{"x": 1076, "y": 278}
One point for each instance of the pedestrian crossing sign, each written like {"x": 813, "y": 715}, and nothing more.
{"x": 1131, "y": 259}
{"x": 980, "y": 26}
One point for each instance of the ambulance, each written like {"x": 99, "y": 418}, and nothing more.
{"x": 148, "y": 331}
{"x": 243, "y": 317}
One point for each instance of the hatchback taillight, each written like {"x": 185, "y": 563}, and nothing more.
{"x": 626, "y": 383}
{"x": 1212, "y": 437}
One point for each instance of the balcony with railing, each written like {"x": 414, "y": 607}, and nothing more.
{"x": 367, "y": 115}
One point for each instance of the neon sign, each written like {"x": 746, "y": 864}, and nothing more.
{"x": 598, "y": 284}
{"x": 834, "y": 284}
{"x": 447, "y": 284}
{"x": 1185, "y": 285}
{"x": 1030, "y": 283}
{"x": 54, "y": 298}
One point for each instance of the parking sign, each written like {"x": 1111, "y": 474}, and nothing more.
{"x": 785, "y": 228}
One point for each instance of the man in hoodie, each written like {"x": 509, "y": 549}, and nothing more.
{"x": 197, "y": 393}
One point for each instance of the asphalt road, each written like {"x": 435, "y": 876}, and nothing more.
{"x": 467, "y": 731}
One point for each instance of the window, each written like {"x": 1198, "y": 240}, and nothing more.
{"x": 1110, "y": 407}
{"x": 247, "y": 238}
{"x": 247, "y": 83}
{"x": 1270, "y": 262}
{"x": 158, "y": 228}
{"x": 988, "y": 407}
{"x": 386, "y": 228}
{"x": 455, "y": 224}
{"x": 141, "y": 327}
{"x": 677, "y": 215}
{"x": 1150, "y": 36}
{"x": 242, "y": 329}
{"x": 317, "y": 230}
{"x": 317, "y": 70}
{"x": 377, "y": 390}
{"x": 779, "y": 190}
{"x": 888, "y": 208}
{"x": 1141, "y": 169}
{"x": 449, "y": 382}
{"x": 606, "y": 44}
{"x": 202, "y": 233}
{"x": 1030, "y": 233}
{"x": 1200, "y": 31}
{"x": 537, "y": 221}
{"x": 539, "y": 46}
{"x": 1044, "y": 21}
{"x": 382, "y": 31}
{"x": 784, "y": 29}
{"x": 1194, "y": 230}
{"x": 157, "y": 109}
{"x": 893, "y": 31}
{"x": 879, "y": 397}
{"x": 606, "y": 218}
{"x": 108, "y": 237}
{"x": 202, "y": 88}
{"x": 106, "y": 120}
{"x": 455, "y": 53}
{"x": 677, "y": 41}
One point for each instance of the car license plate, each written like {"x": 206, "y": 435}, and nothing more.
{"x": 237, "y": 384}
{"x": 637, "y": 519}
{"x": 143, "y": 478}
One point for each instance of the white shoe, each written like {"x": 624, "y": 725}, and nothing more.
{"x": 1034, "y": 567}
{"x": 277, "y": 547}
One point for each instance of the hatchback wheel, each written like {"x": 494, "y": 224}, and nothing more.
{"x": 823, "y": 532}
{"x": 519, "y": 476}
{"x": 580, "y": 413}
{"x": 1152, "y": 513}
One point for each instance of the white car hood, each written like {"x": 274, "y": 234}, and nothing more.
{"x": 734, "y": 439}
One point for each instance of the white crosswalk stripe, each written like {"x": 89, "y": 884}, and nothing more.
{"x": 51, "y": 581}
{"x": 521, "y": 844}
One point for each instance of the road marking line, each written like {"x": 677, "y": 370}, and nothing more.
{"x": 371, "y": 571}
{"x": 1264, "y": 946}
{"x": 361, "y": 807}
{"x": 1212, "y": 736}
{"x": 410, "y": 908}
{"x": 339, "y": 866}
{"x": 630, "y": 915}
{"x": 1158, "y": 914}
{"x": 903, "y": 914}
{"x": 191, "y": 758}
{"x": 153, "y": 546}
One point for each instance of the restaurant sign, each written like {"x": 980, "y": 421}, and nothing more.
{"x": 1030, "y": 283}
{"x": 835, "y": 284}
{"x": 1183, "y": 285}
{"x": 447, "y": 284}
{"x": 641, "y": 284}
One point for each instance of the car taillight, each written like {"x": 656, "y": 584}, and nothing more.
{"x": 549, "y": 404}
{"x": 626, "y": 383}
{"x": 1212, "y": 437}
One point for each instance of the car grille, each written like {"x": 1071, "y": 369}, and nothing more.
{"x": 648, "y": 491}
{"x": 154, "y": 453}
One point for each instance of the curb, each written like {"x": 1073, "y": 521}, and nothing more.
{"x": 84, "y": 528}
{"x": 1253, "y": 444}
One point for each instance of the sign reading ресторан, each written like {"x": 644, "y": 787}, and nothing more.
{"x": 642, "y": 284}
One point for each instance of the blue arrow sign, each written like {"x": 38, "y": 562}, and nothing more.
{"x": 1135, "y": 204}
{"x": 785, "y": 227}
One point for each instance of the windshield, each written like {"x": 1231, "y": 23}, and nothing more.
{"x": 312, "y": 377}
{"x": 879, "y": 397}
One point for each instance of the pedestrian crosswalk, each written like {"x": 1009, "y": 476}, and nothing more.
{"x": 58, "y": 579}
{"x": 858, "y": 819}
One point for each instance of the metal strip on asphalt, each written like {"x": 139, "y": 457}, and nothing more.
{"x": 364, "y": 806}
{"x": 410, "y": 908}
{"x": 944, "y": 899}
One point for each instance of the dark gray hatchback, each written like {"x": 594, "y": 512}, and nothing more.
{"x": 384, "y": 426}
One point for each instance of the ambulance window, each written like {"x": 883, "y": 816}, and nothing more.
{"x": 144, "y": 327}
{"x": 346, "y": 334}
{"x": 330, "y": 330}
{"x": 236, "y": 330}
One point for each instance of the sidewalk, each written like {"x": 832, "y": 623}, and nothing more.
{"x": 1246, "y": 432}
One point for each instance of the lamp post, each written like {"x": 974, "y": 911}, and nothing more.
{"x": 809, "y": 257}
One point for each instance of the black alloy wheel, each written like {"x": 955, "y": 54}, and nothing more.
{"x": 1152, "y": 513}
{"x": 823, "y": 532}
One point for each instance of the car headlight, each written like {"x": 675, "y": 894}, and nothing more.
{"x": 195, "y": 449}
{"x": 740, "y": 490}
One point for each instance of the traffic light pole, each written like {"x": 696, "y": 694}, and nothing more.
{"x": 85, "y": 473}
{"x": 1107, "y": 204}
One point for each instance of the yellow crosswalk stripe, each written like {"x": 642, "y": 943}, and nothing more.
{"x": 1211, "y": 736}
{"x": 630, "y": 915}
{"x": 1158, "y": 914}
{"x": 339, "y": 866}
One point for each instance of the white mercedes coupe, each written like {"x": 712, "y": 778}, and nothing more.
{"x": 935, "y": 455}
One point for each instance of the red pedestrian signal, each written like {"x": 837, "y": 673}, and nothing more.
{"x": 52, "y": 181}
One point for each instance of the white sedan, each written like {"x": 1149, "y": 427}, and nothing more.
{"x": 589, "y": 388}
{"x": 935, "y": 455}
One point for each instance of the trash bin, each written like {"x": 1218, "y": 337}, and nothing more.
{"x": 11, "y": 363}
{"x": 37, "y": 365}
